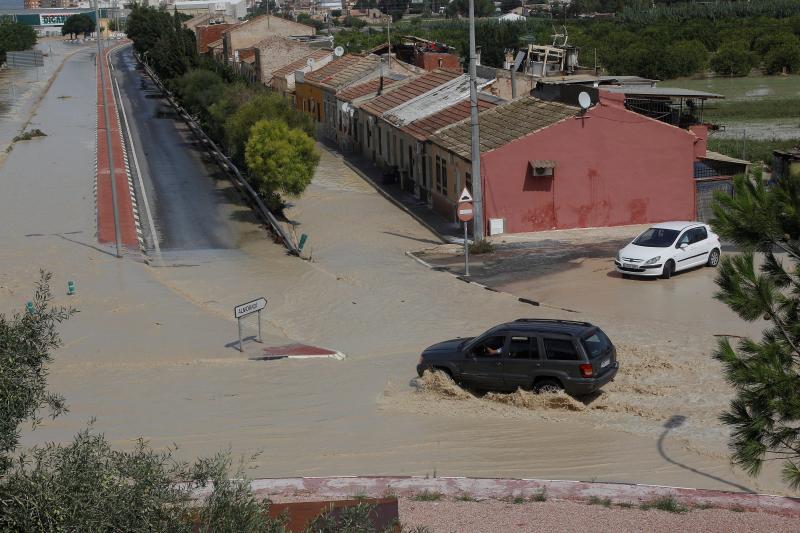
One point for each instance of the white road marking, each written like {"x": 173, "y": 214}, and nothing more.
{"x": 138, "y": 171}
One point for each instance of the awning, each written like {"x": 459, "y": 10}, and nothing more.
{"x": 714, "y": 156}
{"x": 542, "y": 163}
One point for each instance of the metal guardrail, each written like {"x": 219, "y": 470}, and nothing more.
{"x": 237, "y": 178}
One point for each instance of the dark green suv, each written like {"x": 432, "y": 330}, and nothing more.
{"x": 529, "y": 353}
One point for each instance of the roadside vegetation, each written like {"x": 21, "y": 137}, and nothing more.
{"x": 270, "y": 141}
{"x": 751, "y": 149}
{"x": 661, "y": 43}
{"x": 763, "y": 282}
{"x": 15, "y": 36}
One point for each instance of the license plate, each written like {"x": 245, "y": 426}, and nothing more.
{"x": 629, "y": 265}
{"x": 605, "y": 363}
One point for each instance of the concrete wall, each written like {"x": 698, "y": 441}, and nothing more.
{"x": 613, "y": 167}
{"x": 444, "y": 199}
{"x": 255, "y": 30}
{"x": 275, "y": 52}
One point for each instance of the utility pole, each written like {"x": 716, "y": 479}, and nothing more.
{"x": 477, "y": 184}
{"x": 389, "y": 42}
{"x": 117, "y": 236}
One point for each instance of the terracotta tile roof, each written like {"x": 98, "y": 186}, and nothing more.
{"x": 342, "y": 71}
{"x": 424, "y": 128}
{"x": 364, "y": 89}
{"x": 300, "y": 63}
{"x": 503, "y": 124}
{"x": 401, "y": 93}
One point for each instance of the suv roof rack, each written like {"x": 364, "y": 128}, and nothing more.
{"x": 554, "y": 320}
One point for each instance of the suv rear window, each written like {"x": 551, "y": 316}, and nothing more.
{"x": 560, "y": 350}
{"x": 596, "y": 344}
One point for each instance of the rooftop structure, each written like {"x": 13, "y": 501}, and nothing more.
{"x": 343, "y": 71}
{"x": 433, "y": 101}
{"x": 423, "y": 128}
{"x": 402, "y": 93}
{"x": 505, "y": 123}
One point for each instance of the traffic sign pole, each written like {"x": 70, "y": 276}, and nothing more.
{"x": 466, "y": 251}
{"x": 465, "y": 214}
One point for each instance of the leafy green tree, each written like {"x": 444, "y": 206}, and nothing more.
{"x": 265, "y": 106}
{"x": 80, "y": 23}
{"x": 733, "y": 60}
{"x": 15, "y": 36}
{"x": 280, "y": 158}
{"x": 785, "y": 57}
{"x": 763, "y": 282}
{"x": 27, "y": 341}
{"x": 198, "y": 89}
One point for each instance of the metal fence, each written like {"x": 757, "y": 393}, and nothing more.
{"x": 25, "y": 59}
{"x": 706, "y": 189}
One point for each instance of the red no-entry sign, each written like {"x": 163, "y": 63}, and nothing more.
{"x": 465, "y": 212}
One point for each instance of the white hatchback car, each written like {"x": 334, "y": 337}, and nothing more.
{"x": 669, "y": 247}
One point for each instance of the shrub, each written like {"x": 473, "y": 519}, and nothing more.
{"x": 427, "y": 496}
{"x": 280, "y": 158}
{"x": 482, "y": 246}
{"x": 784, "y": 57}
{"x": 733, "y": 60}
{"x": 665, "y": 503}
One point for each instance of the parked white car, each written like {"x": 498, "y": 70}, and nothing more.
{"x": 669, "y": 247}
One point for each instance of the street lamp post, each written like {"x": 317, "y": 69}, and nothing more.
{"x": 117, "y": 236}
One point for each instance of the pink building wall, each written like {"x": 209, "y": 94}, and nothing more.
{"x": 613, "y": 167}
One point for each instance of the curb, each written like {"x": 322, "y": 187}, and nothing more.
{"x": 495, "y": 488}
{"x": 385, "y": 194}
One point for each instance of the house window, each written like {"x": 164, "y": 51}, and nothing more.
{"x": 380, "y": 141}
{"x": 468, "y": 182}
{"x": 441, "y": 175}
{"x": 369, "y": 137}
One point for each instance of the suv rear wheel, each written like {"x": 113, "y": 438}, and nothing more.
{"x": 548, "y": 386}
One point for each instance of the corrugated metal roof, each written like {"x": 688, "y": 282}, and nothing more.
{"x": 504, "y": 123}
{"x": 715, "y": 156}
{"x": 364, "y": 89}
{"x": 402, "y": 93}
{"x": 669, "y": 92}
{"x": 300, "y": 63}
{"x": 431, "y": 102}
{"x": 343, "y": 71}
{"x": 422, "y": 129}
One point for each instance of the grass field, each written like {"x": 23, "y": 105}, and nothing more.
{"x": 752, "y": 150}
{"x": 745, "y": 89}
{"x": 764, "y": 109}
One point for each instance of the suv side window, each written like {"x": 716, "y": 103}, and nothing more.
{"x": 489, "y": 347}
{"x": 560, "y": 350}
{"x": 522, "y": 347}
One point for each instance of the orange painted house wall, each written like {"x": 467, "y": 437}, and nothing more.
{"x": 613, "y": 167}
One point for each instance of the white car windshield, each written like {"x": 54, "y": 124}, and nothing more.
{"x": 657, "y": 238}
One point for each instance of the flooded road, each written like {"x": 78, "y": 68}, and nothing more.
{"x": 151, "y": 352}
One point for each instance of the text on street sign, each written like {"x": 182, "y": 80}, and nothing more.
{"x": 250, "y": 307}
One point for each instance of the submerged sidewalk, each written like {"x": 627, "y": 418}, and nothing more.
{"x": 448, "y": 232}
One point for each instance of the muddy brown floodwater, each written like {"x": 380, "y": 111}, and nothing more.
{"x": 151, "y": 352}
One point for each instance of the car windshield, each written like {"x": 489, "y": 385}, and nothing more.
{"x": 657, "y": 238}
{"x": 596, "y": 344}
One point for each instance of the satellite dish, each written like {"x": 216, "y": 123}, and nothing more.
{"x": 346, "y": 107}
{"x": 584, "y": 100}
{"x": 338, "y": 51}
{"x": 310, "y": 62}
